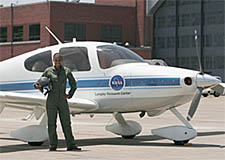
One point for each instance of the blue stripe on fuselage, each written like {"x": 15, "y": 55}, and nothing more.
{"x": 152, "y": 82}
{"x": 98, "y": 83}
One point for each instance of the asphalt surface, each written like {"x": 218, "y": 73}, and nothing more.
{"x": 99, "y": 144}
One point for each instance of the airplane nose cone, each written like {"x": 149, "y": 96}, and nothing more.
{"x": 205, "y": 80}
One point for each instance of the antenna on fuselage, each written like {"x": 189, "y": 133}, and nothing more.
{"x": 53, "y": 35}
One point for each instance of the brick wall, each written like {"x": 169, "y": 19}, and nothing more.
{"x": 56, "y": 14}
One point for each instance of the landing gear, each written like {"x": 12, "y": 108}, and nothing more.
{"x": 35, "y": 135}
{"x": 35, "y": 143}
{"x": 128, "y": 137}
{"x": 216, "y": 94}
{"x": 205, "y": 95}
{"x": 179, "y": 134}
{"x": 127, "y": 129}
{"x": 181, "y": 143}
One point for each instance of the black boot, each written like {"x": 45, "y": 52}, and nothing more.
{"x": 73, "y": 148}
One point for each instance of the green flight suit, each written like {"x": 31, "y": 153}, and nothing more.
{"x": 56, "y": 103}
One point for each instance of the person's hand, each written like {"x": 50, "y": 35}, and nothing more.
{"x": 66, "y": 96}
{"x": 37, "y": 86}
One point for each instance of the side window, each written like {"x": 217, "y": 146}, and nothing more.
{"x": 75, "y": 58}
{"x": 39, "y": 62}
{"x": 113, "y": 55}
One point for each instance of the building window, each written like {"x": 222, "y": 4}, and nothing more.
{"x": 218, "y": 40}
{"x": 183, "y": 62}
{"x": 34, "y": 32}
{"x": 171, "y": 21}
{"x": 18, "y": 33}
{"x": 160, "y": 22}
{"x": 160, "y": 42}
{"x": 195, "y": 19}
{"x": 219, "y": 62}
{"x": 208, "y": 62}
{"x": 194, "y": 62}
{"x": 3, "y": 34}
{"x": 170, "y": 42}
{"x": 208, "y": 41}
{"x": 169, "y": 3}
{"x": 184, "y": 42}
{"x": 77, "y": 31}
{"x": 184, "y": 20}
{"x": 111, "y": 33}
{"x": 188, "y": 2}
{"x": 213, "y": 18}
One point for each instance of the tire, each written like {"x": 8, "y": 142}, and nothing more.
{"x": 181, "y": 143}
{"x": 205, "y": 95}
{"x": 35, "y": 143}
{"x": 129, "y": 137}
{"x": 216, "y": 94}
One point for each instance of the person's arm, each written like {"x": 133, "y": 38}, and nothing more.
{"x": 36, "y": 84}
{"x": 72, "y": 83}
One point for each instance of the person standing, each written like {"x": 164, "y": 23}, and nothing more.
{"x": 57, "y": 102}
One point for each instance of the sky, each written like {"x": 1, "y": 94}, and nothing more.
{"x": 20, "y": 2}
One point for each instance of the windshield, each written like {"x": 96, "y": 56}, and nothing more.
{"x": 112, "y": 55}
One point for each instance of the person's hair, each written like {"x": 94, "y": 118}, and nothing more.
{"x": 57, "y": 55}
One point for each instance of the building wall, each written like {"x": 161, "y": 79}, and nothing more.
{"x": 24, "y": 15}
{"x": 174, "y": 25}
{"x": 56, "y": 14}
{"x": 141, "y": 22}
{"x": 94, "y": 16}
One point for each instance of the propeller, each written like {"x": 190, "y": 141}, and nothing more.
{"x": 198, "y": 93}
{"x": 194, "y": 103}
{"x": 202, "y": 80}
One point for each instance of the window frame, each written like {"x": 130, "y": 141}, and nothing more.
{"x": 4, "y": 37}
{"x": 19, "y": 37}
{"x": 37, "y": 36}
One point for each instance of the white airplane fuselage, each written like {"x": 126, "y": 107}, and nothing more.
{"x": 122, "y": 88}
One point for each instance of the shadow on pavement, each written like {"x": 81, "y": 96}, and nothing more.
{"x": 146, "y": 140}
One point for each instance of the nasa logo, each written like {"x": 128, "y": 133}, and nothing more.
{"x": 117, "y": 82}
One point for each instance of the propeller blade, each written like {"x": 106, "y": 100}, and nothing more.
{"x": 198, "y": 52}
{"x": 194, "y": 103}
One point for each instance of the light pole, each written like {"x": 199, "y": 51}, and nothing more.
{"x": 12, "y": 16}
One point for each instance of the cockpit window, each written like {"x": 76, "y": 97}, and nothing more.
{"x": 39, "y": 62}
{"x": 75, "y": 58}
{"x": 112, "y": 55}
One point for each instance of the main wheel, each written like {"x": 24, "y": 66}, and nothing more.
{"x": 216, "y": 94}
{"x": 181, "y": 143}
{"x": 129, "y": 137}
{"x": 205, "y": 95}
{"x": 35, "y": 143}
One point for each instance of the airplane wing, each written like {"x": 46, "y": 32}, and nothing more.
{"x": 36, "y": 103}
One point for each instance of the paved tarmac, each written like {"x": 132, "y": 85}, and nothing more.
{"x": 98, "y": 144}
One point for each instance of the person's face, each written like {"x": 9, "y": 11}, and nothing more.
{"x": 57, "y": 61}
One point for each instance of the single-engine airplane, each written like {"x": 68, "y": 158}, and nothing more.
{"x": 110, "y": 79}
